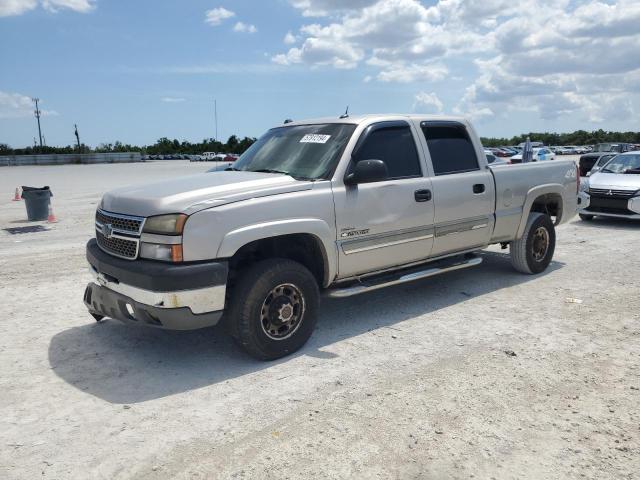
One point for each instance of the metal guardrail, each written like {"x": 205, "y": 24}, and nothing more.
{"x": 69, "y": 159}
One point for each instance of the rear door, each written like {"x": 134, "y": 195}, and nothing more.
{"x": 463, "y": 188}
{"x": 390, "y": 222}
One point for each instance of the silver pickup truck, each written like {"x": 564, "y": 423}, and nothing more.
{"x": 340, "y": 206}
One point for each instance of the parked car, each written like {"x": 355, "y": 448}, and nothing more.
{"x": 539, "y": 155}
{"x": 587, "y": 161}
{"x": 493, "y": 160}
{"x": 221, "y": 167}
{"x": 601, "y": 162}
{"x": 346, "y": 206}
{"x": 614, "y": 190}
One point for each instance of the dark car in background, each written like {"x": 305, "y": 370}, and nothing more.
{"x": 588, "y": 160}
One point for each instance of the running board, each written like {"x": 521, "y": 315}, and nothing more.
{"x": 387, "y": 280}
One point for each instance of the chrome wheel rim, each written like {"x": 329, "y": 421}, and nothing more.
{"x": 282, "y": 311}
{"x": 540, "y": 244}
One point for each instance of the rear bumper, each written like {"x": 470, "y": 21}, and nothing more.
{"x": 142, "y": 292}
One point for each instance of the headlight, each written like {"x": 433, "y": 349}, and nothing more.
{"x": 172, "y": 224}
{"x": 161, "y": 251}
{"x": 584, "y": 185}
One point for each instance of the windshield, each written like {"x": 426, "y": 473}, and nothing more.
{"x": 308, "y": 152}
{"x": 629, "y": 164}
{"x": 604, "y": 159}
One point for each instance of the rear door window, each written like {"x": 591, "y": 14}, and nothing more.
{"x": 450, "y": 148}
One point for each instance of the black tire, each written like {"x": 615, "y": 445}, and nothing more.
{"x": 256, "y": 328}
{"x": 586, "y": 218}
{"x": 533, "y": 252}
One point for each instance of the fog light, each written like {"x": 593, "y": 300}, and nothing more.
{"x": 161, "y": 251}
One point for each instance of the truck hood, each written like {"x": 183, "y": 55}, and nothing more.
{"x": 192, "y": 193}
{"x": 618, "y": 181}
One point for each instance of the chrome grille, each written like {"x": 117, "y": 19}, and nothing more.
{"x": 118, "y": 246}
{"x": 120, "y": 223}
{"x": 605, "y": 192}
{"x": 119, "y": 235}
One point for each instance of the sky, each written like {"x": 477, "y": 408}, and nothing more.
{"x": 135, "y": 71}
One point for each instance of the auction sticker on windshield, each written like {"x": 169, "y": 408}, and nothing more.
{"x": 315, "y": 138}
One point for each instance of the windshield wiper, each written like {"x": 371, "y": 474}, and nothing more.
{"x": 632, "y": 171}
{"x": 606, "y": 170}
{"x": 270, "y": 170}
{"x": 231, "y": 169}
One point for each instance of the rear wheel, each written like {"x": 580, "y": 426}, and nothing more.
{"x": 586, "y": 218}
{"x": 273, "y": 308}
{"x": 533, "y": 252}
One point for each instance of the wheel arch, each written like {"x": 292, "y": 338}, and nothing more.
{"x": 307, "y": 242}
{"x": 544, "y": 199}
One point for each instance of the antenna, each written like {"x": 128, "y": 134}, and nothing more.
{"x": 287, "y": 120}
{"x": 346, "y": 113}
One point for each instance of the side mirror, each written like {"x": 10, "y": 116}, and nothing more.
{"x": 367, "y": 171}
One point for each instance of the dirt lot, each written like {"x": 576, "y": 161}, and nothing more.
{"x": 482, "y": 373}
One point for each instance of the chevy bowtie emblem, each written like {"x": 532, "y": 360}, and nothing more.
{"x": 107, "y": 230}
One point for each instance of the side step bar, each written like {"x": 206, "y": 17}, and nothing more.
{"x": 387, "y": 280}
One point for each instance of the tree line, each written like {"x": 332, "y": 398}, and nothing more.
{"x": 579, "y": 137}
{"x": 164, "y": 146}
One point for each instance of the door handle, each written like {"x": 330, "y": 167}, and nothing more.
{"x": 422, "y": 195}
{"x": 478, "y": 188}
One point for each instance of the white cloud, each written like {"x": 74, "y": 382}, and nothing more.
{"x": 16, "y": 105}
{"x": 18, "y": 7}
{"x": 216, "y": 16}
{"x": 289, "y": 39}
{"x": 323, "y": 8}
{"x": 82, "y": 6}
{"x": 403, "y": 73}
{"x": 172, "y": 99}
{"x": 428, "y": 103}
{"x": 551, "y": 58}
{"x": 244, "y": 27}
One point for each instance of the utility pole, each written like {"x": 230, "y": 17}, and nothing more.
{"x": 77, "y": 137}
{"x": 37, "y": 113}
{"x": 215, "y": 116}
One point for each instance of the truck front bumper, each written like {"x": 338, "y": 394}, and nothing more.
{"x": 143, "y": 292}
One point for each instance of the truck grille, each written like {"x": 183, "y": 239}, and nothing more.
{"x": 607, "y": 193}
{"x": 118, "y": 234}
{"x": 118, "y": 246}
{"x": 122, "y": 223}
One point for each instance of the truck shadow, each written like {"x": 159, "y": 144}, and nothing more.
{"x": 124, "y": 365}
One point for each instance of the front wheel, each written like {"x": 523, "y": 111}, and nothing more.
{"x": 584, "y": 217}
{"x": 533, "y": 252}
{"x": 273, "y": 308}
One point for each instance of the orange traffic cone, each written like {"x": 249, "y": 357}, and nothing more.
{"x": 51, "y": 218}
{"x": 16, "y": 197}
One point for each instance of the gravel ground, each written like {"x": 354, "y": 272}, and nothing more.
{"x": 481, "y": 373}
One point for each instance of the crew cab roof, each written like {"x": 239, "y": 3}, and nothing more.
{"x": 380, "y": 117}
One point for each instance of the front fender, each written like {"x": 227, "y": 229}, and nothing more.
{"x": 236, "y": 239}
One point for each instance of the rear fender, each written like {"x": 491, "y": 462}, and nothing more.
{"x": 533, "y": 195}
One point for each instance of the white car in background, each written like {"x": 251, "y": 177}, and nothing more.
{"x": 614, "y": 190}
{"x": 539, "y": 155}
{"x": 493, "y": 160}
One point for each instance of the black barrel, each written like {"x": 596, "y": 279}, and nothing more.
{"x": 37, "y": 201}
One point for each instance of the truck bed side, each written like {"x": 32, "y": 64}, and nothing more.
{"x": 537, "y": 186}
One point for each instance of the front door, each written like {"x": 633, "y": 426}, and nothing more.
{"x": 390, "y": 222}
